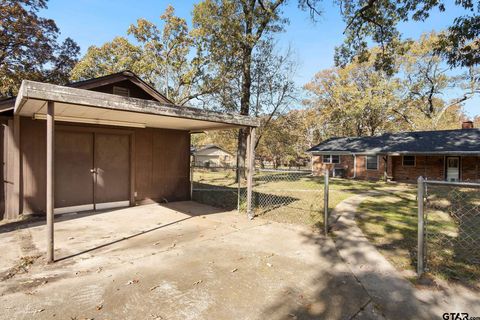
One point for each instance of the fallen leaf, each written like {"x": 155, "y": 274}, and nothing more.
{"x": 39, "y": 310}
{"x": 234, "y": 270}
{"x": 197, "y": 282}
{"x": 134, "y": 281}
{"x": 99, "y": 307}
{"x": 153, "y": 288}
{"x": 269, "y": 265}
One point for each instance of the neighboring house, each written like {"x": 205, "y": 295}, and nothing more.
{"x": 452, "y": 155}
{"x": 213, "y": 156}
{"x": 107, "y": 142}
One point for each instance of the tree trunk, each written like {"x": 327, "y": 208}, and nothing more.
{"x": 244, "y": 110}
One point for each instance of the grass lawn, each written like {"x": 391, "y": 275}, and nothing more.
{"x": 291, "y": 197}
{"x": 390, "y": 223}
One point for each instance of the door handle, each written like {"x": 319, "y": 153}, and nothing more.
{"x": 93, "y": 170}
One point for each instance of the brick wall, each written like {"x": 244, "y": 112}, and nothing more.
{"x": 430, "y": 167}
{"x": 346, "y": 163}
{"x": 363, "y": 173}
{"x": 470, "y": 167}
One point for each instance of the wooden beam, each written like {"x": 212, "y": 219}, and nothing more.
{"x": 73, "y": 96}
{"x": 17, "y": 165}
{"x": 9, "y": 169}
{"x": 50, "y": 179}
{"x": 251, "y": 171}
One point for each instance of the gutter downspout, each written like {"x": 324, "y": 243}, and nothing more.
{"x": 354, "y": 166}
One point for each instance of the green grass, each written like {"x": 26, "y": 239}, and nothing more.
{"x": 390, "y": 223}
{"x": 278, "y": 196}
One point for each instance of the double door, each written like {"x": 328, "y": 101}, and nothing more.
{"x": 92, "y": 170}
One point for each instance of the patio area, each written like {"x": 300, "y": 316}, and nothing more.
{"x": 181, "y": 260}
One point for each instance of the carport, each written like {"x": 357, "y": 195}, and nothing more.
{"x": 102, "y": 150}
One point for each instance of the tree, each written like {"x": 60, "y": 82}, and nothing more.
{"x": 359, "y": 99}
{"x": 29, "y": 47}
{"x": 162, "y": 57}
{"x": 377, "y": 21}
{"x": 229, "y": 32}
{"x": 111, "y": 57}
{"x": 425, "y": 80}
{"x": 355, "y": 100}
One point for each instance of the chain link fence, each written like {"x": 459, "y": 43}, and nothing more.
{"x": 217, "y": 186}
{"x": 451, "y": 229}
{"x": 290, "y": 196}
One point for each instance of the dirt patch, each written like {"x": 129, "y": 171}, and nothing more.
{"x": 20, "y": 268}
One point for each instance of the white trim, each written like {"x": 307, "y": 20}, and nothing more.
{"x": 331, "y": 158}
{"x": 354, "y": 166}
{"x": 366, "y": 163}
{"x": 111, "y": 205}
{"x": 40, "y": 116}
{"x": 83, "y": 207}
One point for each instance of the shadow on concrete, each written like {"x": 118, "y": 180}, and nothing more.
{"x": 120, "y": 240}
{"x": 35, "y": 220}
{"x": 333, "y": 299}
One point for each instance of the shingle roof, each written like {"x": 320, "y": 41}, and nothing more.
{"x": 442, "y": 141}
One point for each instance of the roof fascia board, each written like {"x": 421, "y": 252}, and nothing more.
{"x": 74, "y": 96}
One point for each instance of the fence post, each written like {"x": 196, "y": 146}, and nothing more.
{"x": 421, "y": 230}
{"x": 192, "y": 165}
{"x": 251, "y": 171}
{"x": 325, "y": 201}
{"x": 239, "y": 187}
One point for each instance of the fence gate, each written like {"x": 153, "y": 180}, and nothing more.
{"x": 449, "y": 241}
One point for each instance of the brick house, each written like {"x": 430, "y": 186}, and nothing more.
{"x": 452, "y": 155}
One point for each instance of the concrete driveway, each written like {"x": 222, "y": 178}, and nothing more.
{"x": 182, "y": 260}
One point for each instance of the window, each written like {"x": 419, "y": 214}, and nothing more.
{"x": 121, "y": 91}
{"x": 372, "y": 163}
{"x": 331, "y": 158}
{"x": 409, "y": 161}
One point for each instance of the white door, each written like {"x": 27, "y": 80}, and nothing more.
{"x": 453, "y": 168}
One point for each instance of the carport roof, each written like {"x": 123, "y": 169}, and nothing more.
{"x": 462, "y": 141}
{"x": 80, "y": 105}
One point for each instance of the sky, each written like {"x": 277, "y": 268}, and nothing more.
{"x": 93, "y": 22}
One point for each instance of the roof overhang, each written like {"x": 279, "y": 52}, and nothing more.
{"x": 335, "y": 153}
{"x": 80, "y": 105}
{"x": 400, "y": 153}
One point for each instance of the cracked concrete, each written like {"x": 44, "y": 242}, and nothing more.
{"x": 179, "y": 261}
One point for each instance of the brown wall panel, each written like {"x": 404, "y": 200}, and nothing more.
{"x": 161, "y": 163}
{"x": 33, "y": 146}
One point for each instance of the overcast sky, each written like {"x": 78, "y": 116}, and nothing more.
{"x": 93, "y": 22}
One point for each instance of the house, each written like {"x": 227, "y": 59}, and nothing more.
{"x": 452, "y": 155}
{"x": 102, "y": 143}
{"x": 213, "y": 156}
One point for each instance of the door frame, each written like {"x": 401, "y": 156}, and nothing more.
{"x": 459, "y": 167}
{"x": 95, "y": 129}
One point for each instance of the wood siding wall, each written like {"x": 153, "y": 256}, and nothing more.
{"x": 161, "y": 164}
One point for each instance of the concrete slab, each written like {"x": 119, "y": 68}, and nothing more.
{"x": 178, "y": 261}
